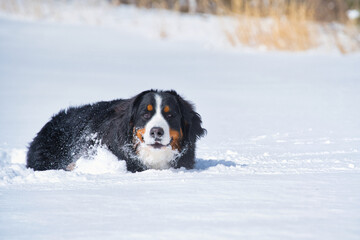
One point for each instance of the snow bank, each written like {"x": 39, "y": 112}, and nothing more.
{"x": 206, "y": 30}
{"x": 13, "y": 167}
{"x": 102, "y": 162}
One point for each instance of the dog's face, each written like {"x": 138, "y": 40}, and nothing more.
{"x": 157, "y": 129}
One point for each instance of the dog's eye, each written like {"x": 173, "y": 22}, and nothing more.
{"x": 147, "y": 115}
{"x": 168, "y": 115}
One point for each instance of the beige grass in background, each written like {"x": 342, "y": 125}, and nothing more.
{"x": 288, "y": 25}
{"x": 284, "y": 26}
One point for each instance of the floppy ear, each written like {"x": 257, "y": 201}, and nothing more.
{"x": 134, "y": 105}
{"x": 127, "y": 108}
{"x": 191, "y": 120}
{"x": 126, "y": 111}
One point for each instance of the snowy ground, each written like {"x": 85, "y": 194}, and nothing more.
{"x": 281, "y": 159}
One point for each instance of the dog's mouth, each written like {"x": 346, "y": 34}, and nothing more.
{"x": 158, "y": 145}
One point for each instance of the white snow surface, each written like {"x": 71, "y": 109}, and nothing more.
{"x": 281, "y": 159}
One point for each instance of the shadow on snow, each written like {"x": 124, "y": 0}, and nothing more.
{"x": 202, "y": 164}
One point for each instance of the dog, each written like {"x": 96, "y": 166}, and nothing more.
{"x": 152, "y": 130}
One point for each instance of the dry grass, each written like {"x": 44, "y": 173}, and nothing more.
{"x": 345, "y": 37}
{"x": 289, "y": 25}
{"x": 284, "y": 26}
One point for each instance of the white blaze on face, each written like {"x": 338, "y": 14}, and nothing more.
{"x": 157, "y": 158}
{"x": 157, "y": 121}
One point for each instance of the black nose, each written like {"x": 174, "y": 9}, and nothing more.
{"x": 156, "y": 132}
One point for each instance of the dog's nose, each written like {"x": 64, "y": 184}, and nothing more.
{"x": 156, "y": 132}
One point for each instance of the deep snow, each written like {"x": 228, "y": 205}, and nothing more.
{"x": 280, "y": 161}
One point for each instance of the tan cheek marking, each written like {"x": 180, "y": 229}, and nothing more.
{"x": 139, "y": 134}
{"x": 150, "y": 107}
{"x": 166, "y": 109}
{"x": 176, "y": 138}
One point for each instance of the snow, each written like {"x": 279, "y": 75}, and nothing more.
{"x": 353, "y": 14}
{"x": 103, "y": 161}
{"x": 281, "y": 159}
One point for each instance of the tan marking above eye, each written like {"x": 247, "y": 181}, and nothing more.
{"x": 166, "y": 109}
{"x": 149, "y": 107}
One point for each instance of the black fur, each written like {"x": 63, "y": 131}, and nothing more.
{"x": 73, "y": 132}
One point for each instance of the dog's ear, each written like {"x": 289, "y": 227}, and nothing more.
{"x": 126, "y": 110}
{"x": 191, "y": 120}
{"x": 134, "y": 105}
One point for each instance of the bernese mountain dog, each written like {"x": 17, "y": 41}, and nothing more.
{"x": 153, "y": 130}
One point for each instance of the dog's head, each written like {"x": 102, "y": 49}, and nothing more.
{"x": 162, "y": 125}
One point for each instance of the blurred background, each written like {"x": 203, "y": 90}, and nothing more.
{"x": 290, "y": 25}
